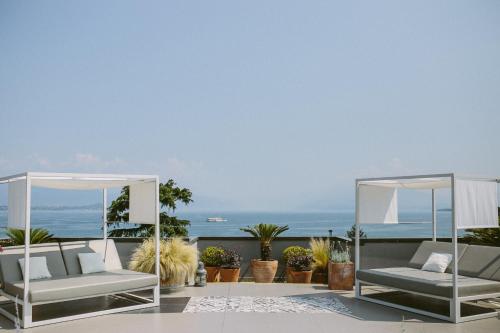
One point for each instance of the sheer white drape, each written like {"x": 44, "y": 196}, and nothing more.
{"x": 476, "y": 204}
{"x": 377, "y": 204}
{"x": 17, "y": 204}
{"x": 142, "y": 203}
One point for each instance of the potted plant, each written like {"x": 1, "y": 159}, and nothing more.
{"x": 264, "y": 269}
{"x": 178, "y": 261}
{"x": 230, "y": 266}
{"x": 212, "y": 259}
{"x": 293, "y": 251}
{"x": 321, "y": 254}
{"x": 301, "y": 268}
{"x": 37, "y": 236}
{"x": 340, "y": 269}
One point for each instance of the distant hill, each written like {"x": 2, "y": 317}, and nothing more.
{"x": 95, "y": 206}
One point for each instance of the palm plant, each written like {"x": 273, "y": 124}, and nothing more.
{"x": 266, "y": 233}
{"x": 37, "y": 236}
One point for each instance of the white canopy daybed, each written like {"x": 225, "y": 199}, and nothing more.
{"x": 474, "y": 202}
{"x": 67, "y": 282}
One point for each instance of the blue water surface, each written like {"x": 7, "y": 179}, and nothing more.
{"x": 87, "y": 223}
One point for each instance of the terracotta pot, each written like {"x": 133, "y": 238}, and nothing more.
{"x": 289, "y": 278}
{"x": 264, "y": 271}
{"x": 229, "y": 274}
{"x": 340, "y": 276}
{"x": 301, "y": 276}
{"x": 213, "y": 274}
{"x": 319, "y": 277}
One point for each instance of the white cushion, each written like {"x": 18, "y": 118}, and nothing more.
{"x": 437, "y": 262}
{"x": 91, "y": 263}
{"x": 38, "y": 268}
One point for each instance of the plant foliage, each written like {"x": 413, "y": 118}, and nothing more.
{"x": 340, "y": 254}
{"x": 293, "y": 251}
{"x": 230, "y": 259}
{"x": 265, "y": 233}
{"x": 37, "y": 236}
{"x": 212, "y": 256}
{"x": 177, "y": 259}
{"x": 170, "y": 226}
{"x": 300, "y": 263}
{"x": 320, "y": 248}
{"x": 351, "y": 233}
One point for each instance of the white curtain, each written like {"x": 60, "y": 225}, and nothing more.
{"x": 17, "y": 204}
{"x": 377, "y": 204}
{"x": 142, "y": 203}
{"x": 476, "y": 204}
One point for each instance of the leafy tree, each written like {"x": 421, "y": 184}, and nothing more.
{"x": 486, "y": 236}
{"x": 170, "y": 226}
{"x": 37, "y": 236}
{"x": 352, "y": 233}
{"x": 265, "y": 233}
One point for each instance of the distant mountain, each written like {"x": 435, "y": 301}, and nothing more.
{"x": 95, "y": 206}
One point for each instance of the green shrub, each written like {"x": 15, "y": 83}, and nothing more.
{"x": 293, "y": 251}
{"x": 212, "y": 256}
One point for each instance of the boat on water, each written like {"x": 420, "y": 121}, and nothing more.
{"x": 216, "y": 219}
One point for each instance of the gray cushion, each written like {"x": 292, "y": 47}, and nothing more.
{"x": 70, "y": 252}
{"x": 75, "y": 286}
{"x": 9, "y": 265}
{"x": 481, "y": 261}
{"x": 427, "y": 247}
{"x": 438, "y": 284}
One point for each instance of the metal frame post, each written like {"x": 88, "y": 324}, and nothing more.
{"x": 434, "y": 217}
{"x": 156, "y": 295}
{"x": 357, "y": 256}
{"x": 454, "y": 302}
{"x": 27, "y": 310}
{"x": 105, "y": 214}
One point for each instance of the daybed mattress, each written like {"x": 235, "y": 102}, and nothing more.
{"x": 432, "y": 283}
{"x": 76, "y": 286}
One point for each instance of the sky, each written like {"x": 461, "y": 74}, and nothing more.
{"x": 253, "y": 105}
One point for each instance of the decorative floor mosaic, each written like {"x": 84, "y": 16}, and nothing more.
{"x": 289, "y": 304}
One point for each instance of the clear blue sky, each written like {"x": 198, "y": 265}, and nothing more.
{"x": 254, "y": 105}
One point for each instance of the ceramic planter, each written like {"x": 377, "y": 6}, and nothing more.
{"x": 229, "y": 274}
{"x": 213, "y": 274}
{"x": 300, "y": 276}
{"x": 264, "y": 271}
{"x": 340, "y": 276}
{"x": 172, "y": 285}
{"x": 320, "y": 277}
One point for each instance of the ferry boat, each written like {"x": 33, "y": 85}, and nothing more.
{"x": 216, "y": 219}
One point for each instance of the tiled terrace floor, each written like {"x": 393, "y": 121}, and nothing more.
{"x": 365, "y": 317}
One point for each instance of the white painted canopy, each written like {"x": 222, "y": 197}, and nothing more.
{"x": 143, "y": 192}
{"x": 475, "y": 198}
{"x": 411, "y": 183}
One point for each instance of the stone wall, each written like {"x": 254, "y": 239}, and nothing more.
{"x": 375, "y": 253}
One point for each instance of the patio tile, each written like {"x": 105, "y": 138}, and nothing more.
{"x": 365, "y": 317}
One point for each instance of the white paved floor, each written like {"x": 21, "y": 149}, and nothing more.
{"x": 364, "y": 318}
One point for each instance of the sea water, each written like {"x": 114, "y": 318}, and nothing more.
{"x": 87, "y": 223}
